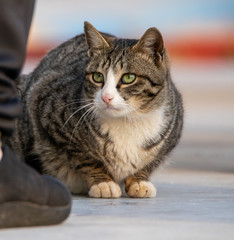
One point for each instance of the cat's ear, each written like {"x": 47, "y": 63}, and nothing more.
{"x": 151, "y": 43}
{"x": 95, "y": 39}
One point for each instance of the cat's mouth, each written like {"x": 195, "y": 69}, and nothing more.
{"x": 112, "y": 111}
{"x": 111, "y": 107}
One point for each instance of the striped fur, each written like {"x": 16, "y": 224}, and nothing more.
{"x": 69, "y": 132}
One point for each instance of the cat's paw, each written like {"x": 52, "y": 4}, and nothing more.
{"x": 141, "y": 189}
{"x": 105, "y": 190}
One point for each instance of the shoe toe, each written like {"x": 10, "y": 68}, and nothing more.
{"x": 59, "y": 195}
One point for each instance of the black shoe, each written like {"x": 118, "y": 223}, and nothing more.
{"x": 28, "y": 198}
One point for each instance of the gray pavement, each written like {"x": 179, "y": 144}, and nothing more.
{"x": 189, "y": 205}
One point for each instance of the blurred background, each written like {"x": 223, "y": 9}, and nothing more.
{"x": 199, "y": 35}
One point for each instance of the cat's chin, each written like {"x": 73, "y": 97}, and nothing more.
{"x": 113, "y": 112}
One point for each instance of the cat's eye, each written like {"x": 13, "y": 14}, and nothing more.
{"x": 98, "y": 77}
{"x": 128, "y": 78}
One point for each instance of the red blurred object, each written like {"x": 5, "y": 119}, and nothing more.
{"x": 192, "y": 47}
{"x": 202, "y": 47}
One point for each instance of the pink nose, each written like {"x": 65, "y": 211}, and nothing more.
{"x": 106, "y": 98}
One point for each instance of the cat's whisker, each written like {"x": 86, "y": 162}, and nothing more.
{"x": 77, "y": 124}
{"x": 94, "y": 114}
{"x": 66, "y": 105}
{"x": 81, "y": 99}
{"x": 79, "y": 109}
{"x": 75, "y": 101}
{"x": 89, "y": 112}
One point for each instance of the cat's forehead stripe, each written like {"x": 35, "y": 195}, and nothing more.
{"x": 106, "y": 63}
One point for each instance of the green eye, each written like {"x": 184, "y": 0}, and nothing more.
{"x": 128, "y": 78}
{"x": 98, "y": 77}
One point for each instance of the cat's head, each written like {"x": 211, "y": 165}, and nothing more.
{"x": 125, "y": 77}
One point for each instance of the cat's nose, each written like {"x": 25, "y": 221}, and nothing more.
{"x": 107, "y": 98}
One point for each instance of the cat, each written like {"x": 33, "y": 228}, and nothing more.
{"x": 99, "y": 111}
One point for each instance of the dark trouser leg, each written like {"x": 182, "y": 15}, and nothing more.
{"x": 15, "y": 20}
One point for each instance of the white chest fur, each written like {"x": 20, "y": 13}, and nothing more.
{"x": 128, "y": 138}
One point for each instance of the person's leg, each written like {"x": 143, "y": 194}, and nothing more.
{"x": 26, "y": 197}
{"x": 15, "y": 20}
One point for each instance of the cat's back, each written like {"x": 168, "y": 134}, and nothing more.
{"x": 68, "y": 59}
{"x": 59, "y": 75}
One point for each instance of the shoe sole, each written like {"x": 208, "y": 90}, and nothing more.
{"x": 25, "y": 214}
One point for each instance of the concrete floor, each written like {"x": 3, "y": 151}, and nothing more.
{"x": 195, "y": 198}
{"x": 189, "y": 205}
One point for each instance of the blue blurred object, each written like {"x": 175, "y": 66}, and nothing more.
{"x": 58, "y": 20}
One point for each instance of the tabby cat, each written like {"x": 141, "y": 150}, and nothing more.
{"x": 100, "y": 111}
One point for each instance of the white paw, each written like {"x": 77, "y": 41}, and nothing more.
{"x": 143, "y": 189}
{"x": 105, "y": 190}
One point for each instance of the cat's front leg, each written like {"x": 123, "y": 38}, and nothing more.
{"x": 139, "y": 186}
{"x": 101, "y": 185}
